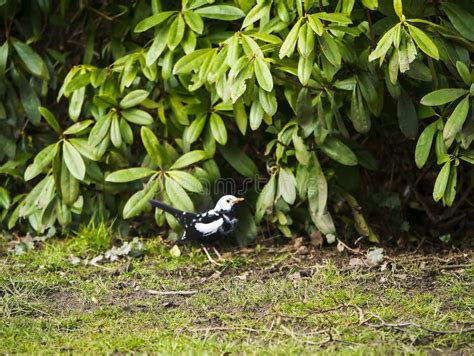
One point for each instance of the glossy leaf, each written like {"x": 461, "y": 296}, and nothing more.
{"x": 74, "y": 161}
{"x": 442, "y": 96}
{"x": 129, "y": 174}
{"x": 423, "y": 146}
{"x": 456, "y": 121}
{"x": 137, "y": 116}
{"x": 133, "y": 98}
{"x": 221, "y": 12}
{"x": 42, "y": 159}
{"x": 186, "y": 180}
{"x": 338, "y": 151}
{"x": 441, "y": 182}
{"x": 423, "y": 41}
{"x": 219, "y": 131}
{"x": 153, "y": 21}
{"x": 188, "y": 159}
{"x": 178, "y": 195}
{"x": 50, "y": 118}
{"x": 263, "y": 74}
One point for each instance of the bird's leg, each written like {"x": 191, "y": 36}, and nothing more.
{"x": 210, "y": 258}
{"x": 219, "y": 257}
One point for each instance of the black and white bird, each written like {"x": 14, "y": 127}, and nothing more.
{"x": 208, "y": 226}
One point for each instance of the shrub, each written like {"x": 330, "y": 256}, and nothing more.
{"x": 163, "y": 98}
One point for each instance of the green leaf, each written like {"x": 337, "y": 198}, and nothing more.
{"x": 384, "y": 44}
{"x": 32, "y": 60}
{"x": 129, "y": 174}
{"x": 442, "y": 96}
{"x": 301, "y": 151}
{"x": 115, "y": 135}
{"x": 425, "y": 43}
{"x": 152, "y": 146}
{"x": 398, "y": 7}
{"x": 334, "y": 17}
{"x": 423, "y": 146}
{"x": 137, "y": 116}
{"x": 50, "y": 118}
{"x": 29, "y": 99}
{"x": 461, "y": 19}
{"x": 153, "y": 21}
{"x": 75, "y": 103}
{"x": 371, "y": 4}
{"x": 194, "y": 21}
{"x": 77, "y": 83}
{"x": 450, "y": 191}
{"x": 359, "y": 114}
{"x": 316, "y": 24}
{"x": 287, "y": 185}
{"x": 263, "y": 74}
{"x": 240, "y": 116}
{"x": 133, "y": 98}
{"x": 317, "y": 188}
{"x": 186, "y": 180}
{"x": 69, "y": 185}
{"x": 178, "y": 195}
{"x": 74, "y": 161}
{"x": 221, "y": 12}
{"x": 288, "y": 46}
{"x": 3, "y": 58}
{"x": 193, "y": 131}
{"x": 157, "y": 47}
{"x": 84, "y": 148}
{"x": 190, "y": 61}
{"x": 305, "y": 40}
{"x": 265, "y": 200}
{"x": 218, "y": 128}
{"x": 4, "y": 198}
{"x": 463, "y": 72}
{"x": 268, "y": 102}
{"x": 255, "y": 14}
{"x": 407, "y": 116}
{"x": 78, "y": 127}
{"x": 188, "y": 159}
{"x": 126, "y": 131}
{"x": 42, "y": 159}
{"x": 176, "y": 32}
{"x": 338, "y": 151}
{"x": 100, "y": 130}
{"x": 330, "y": 48}
{"x": 441, "y": 181}
{"x": 140, "y": 200}
{"x": 256, "y": 115}
{"x": 305, "y": 68}
{"x": 455, "y": 122}
{"x": 239, "y": 160}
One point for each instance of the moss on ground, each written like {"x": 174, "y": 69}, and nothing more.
{"x": 265, "y": 301}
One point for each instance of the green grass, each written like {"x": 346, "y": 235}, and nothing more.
{"x": 255, "y": 302}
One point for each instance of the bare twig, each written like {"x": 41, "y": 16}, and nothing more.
{"x": 172, "y": 292}
{"x": 399, "y": 326}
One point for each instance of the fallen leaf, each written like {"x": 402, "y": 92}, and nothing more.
{"x": 375, "y": 256}
{"x": 340, "y": 246}
{"x": 356, "y": 261}
{"x": 175, "y": 251}
{"x": 74, "y": 260}
{"x": 316, "y": 239}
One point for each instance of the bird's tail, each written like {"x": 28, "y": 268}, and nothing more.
{"x": 158, "y": 204}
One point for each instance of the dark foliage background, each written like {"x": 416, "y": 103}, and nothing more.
{"x": 358, "y": 113}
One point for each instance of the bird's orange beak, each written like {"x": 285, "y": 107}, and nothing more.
{"x": 238, "y": 200}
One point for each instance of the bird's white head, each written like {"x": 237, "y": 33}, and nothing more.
{"x": 227, "y": 202}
